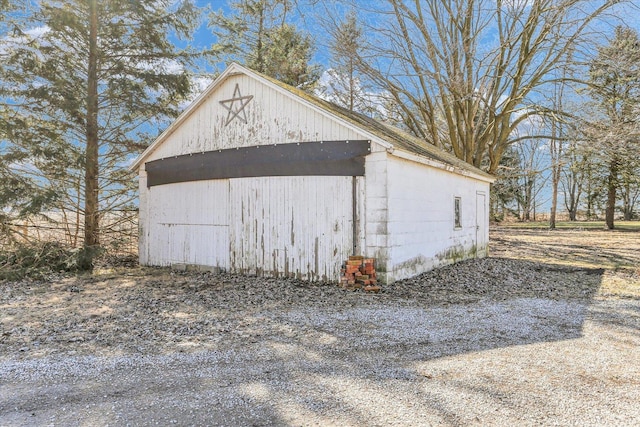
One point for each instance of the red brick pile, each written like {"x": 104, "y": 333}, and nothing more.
{"x": 359, "y": 273}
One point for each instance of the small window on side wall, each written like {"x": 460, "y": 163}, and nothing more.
{"x": 457, "y": 212}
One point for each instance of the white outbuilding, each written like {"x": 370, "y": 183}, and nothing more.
{"x": 257, "y": 177}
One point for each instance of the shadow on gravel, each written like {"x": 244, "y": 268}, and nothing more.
{"x": 472, "y": 306}
{"x": 284, "y": 352}
{"x": 499, "y": 279}
{"x": 354, "y": 361}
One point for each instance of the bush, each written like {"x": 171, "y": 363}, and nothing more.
{"x": 37, "y": 260}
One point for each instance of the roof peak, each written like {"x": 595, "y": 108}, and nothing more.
{"x": 384, "y": 134}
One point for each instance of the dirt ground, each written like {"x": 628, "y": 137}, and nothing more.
{"x": 545, "y": 331}
{"x": 617, "y": 253}
{"x": 139, "y": 310}
{"x": 577, "y": 247}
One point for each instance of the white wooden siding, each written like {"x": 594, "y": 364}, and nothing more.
{"x": 421, "y": 231}
{"x": 302, "y": 226}
{"x": 273, "y": 117}
{"x": 143, "y": 218}
{"x": 189, "y": 224}
{"x": 271, "y": 226}
{"x": 291, "y": 226}
{"x": 482, "y": 223}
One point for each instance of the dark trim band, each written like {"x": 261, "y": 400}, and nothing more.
{"x": 325, "y": 158}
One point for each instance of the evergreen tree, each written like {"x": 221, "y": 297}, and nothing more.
{"x": 615, "y": 87}
{"x": 346, "y": 42}
{"x": 287, "y": 57}
{"x": 83, "y": 84}
{"x": 259, "y": 35}
{"x": 505, "y": 190}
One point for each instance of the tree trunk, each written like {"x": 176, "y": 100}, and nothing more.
{"x": 589, "y": 194}
{"x": 627, "y": 205}
{"x": 572, "y": 203}
{"x": 555, "y": 178}
{"x": 612, "y": 183}
{"x": 555, "y": 150}
{"x": 91, "y": 220}
{"x": 554, "y": 206}
{"x": 528, "y": 198}
{"x": 259, "y": 44}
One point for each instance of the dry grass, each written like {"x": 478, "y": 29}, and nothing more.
{"x": 616, "y": 252}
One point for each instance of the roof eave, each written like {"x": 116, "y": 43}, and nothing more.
{"x": 191, "y": 108}
{"x": 479, "y": 175}
{"x": 235, "y": 69}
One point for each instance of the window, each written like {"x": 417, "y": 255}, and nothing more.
{"x": 457, "y": 213}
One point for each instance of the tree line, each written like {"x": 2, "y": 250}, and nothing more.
{"x": 589, "y": 164}
{"x": 85, "y": 86}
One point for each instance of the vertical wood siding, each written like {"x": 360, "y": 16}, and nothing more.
{"x": 482, "y": 223}
{"x": 143, "y": 218}
{"x": 270, "y": 226}
{"x": 290, "y": 226}
{"x": 189, "y": 223}
{"x": 301, "y": 226}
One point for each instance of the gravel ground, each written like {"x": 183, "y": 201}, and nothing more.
{"x": 498, "y": 341}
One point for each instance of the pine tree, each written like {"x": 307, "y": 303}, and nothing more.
{"x": 344, "y": 84}
{"x": 615, "y": 87}
{"x": 345, "y": 44}
{"x": 84, "y": 83}
{"x": 287, "y": 57}
{"x": 258, "y": 34}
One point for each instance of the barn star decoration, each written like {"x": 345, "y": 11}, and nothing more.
{"x": 236, "y": 105}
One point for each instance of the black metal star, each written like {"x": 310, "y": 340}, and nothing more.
{"x": 235, "y": 110}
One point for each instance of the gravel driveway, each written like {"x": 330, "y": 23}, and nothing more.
{"x": 488, "y": 342}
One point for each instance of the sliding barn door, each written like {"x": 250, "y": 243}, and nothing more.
{"x": 297, "y": 226}
{"x": 189, "y": 223}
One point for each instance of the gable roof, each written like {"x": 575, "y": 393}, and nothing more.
{"x": 388, "y": 136}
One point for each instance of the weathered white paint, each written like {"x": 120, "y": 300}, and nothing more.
{"x": 202, "y": 126}
{"x": 143, "y": 218}
{"x": 272, "y": 116}
{"x": 291, "y": 226}
{"x": 271, "y": 226}
{"x": 439, "y": 165}
{"x": 420, "y": 227}
{"x": 188, "y": 223}
{"x": 482, "y": 223}
{"x": 303, "y": 226}
{"x": 375, "y": 215}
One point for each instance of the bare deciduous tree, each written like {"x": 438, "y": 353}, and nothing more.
{"x": 572, "y": 178}
{"x": 464, "y": 72}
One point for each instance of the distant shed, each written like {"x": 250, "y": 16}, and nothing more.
{"x": 257, "y": 177}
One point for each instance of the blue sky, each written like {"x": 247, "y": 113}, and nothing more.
{"x": 204, "y": 38}
{"x": 628, "y": 13}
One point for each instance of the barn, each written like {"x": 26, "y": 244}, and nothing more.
{"x": 257, "y": 177}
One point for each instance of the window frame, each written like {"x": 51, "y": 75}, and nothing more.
{"x": 457, "y": 212}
